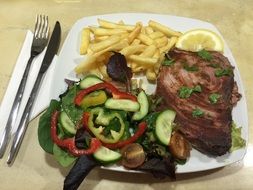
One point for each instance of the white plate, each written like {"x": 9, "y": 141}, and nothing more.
{"x": 69, "y": 57}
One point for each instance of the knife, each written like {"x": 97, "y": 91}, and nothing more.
{"x": 50, "y": 53}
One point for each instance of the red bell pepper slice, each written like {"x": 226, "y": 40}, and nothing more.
{"x": 141, "y": 129}
{"x": 105, "y": 85}
{"x": 70, "y": 142}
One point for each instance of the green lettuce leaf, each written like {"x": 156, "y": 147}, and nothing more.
{"x": 44, "y": 135}
{"x": 237, "y": 141}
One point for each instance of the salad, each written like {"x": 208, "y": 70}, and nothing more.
{"x": 96, "y": 120}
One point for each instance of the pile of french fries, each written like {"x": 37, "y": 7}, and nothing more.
{"x": 143, "y": 46}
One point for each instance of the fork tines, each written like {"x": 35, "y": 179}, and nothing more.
{"x": 41, "y": 27}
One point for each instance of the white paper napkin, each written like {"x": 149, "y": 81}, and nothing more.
{"x": 43, "y": 98}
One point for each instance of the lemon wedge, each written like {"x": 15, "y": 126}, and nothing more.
{"x": 198, "y": 39}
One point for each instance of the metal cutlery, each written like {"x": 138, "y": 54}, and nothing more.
{"x": 50, "y": 53}
{"x": 39, "y": 42}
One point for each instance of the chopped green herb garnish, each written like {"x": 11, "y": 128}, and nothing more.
{"x": 197, "y": 88}
{"x": 223, "y": 72}
{"x": 185, "y": 92}
{"x": 197, "y": 112}
{"x": 190, "y": 68}
{"x": 168, "y": 62}
{"x": 205, "y": 55}
{"x": 214, "y": 97}
{"x": 214, "y": 65}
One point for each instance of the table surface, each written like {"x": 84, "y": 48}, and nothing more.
{"x": 233, "y": 18}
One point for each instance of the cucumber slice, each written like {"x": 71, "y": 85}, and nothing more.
{"x": 89, "y": 80}
{"x": 163, "y": 127}
{"x": 122, "y": 104}
{"x": 67, "y": 124}
{"x": 106, "y": 156}
{"x": 144, "y": 105}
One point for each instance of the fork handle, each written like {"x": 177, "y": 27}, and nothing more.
{"x": 20, "y": 133}
{"x": 14, "y": 109}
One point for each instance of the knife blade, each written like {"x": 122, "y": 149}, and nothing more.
{"x": 52, "y": 49}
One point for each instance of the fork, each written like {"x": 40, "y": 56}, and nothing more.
{"x": 39, "y": 43}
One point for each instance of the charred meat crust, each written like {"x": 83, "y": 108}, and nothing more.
{"x": 211, "y": 132}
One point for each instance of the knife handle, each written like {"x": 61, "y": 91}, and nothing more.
{"x": 20, "y": 133}
{"x": 14, "y": 109}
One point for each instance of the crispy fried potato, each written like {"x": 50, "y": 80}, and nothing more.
{"x": 112, "y": 25}
{"x": 86, "y": 64}
{"x": 132, "y": 49}
{"x": 146, "y": 61}
{"x": 149, "y": 51}
{"x": 150, "y": 74}
{"x": 85, "y": 40}
{"x": 145, "y": 39}
{"x": 157, "y": 54}
{"x": 104, "y": 44}
{"x": 100, "y": 38}
{"x": 134, "y": 33}
{"x": 160, "y": 42}
{"x": 107, "y": 32}
{"x": 164, "y": 29}
{"x": 148, "y": 30}
{"x": 172, "y": 41}
{"x": 156, "y": 34}
{"x": 136, "y": 42}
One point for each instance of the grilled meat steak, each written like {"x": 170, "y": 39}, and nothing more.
{"x": 202, "y": 91}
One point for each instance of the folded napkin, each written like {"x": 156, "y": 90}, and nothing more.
{"x": 43, "y": 98}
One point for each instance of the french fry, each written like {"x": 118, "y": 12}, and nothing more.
{"x": 156, "y": 34}
{"x": 157, "y": 54}
{"x": 100, "y": 38}
{"x": 115, "y": 47}
{"x": 148, "y": 30}
{"x": 136, "y": 42}
{"x": 132, "y": 49}
{"x": 103, "y": 71}
{"x": 146, "y": 61}
{"x": 139, "y": 69}
{"x": 169, "y": 45}
{"x": 149, "y": 51}
{"x": 145, "y": 39}
{"x": 150, "y": 74}
{"x": 134, "y": 33}
{"x": 106, "y": 32}
{"x": 112, "y": 25}
{"x": 104, "y": 44}
{"x": 164, "y": 29}
{"x": 95, "y": 71}
{"x": 160, "y": 42}
{"x": 86, "y": 64}
{"x": 85, "y": 40}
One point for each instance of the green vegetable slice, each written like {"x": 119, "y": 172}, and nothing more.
{"x": 164, "y": 125}
{"x": 106, "y": 156}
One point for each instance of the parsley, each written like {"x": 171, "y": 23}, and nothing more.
{"x": 223, "y": 72}
{"x": 168, "y": 61}
{"x": 197, "y": 88}
{"x": 214, "y": 97}
{"x": 190, "y": 68}
{"x": 197, "y": 112}
{"x": 214, "y": 65}
{"x": 205, "y": 55}
{"x": 185, "y": 92}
